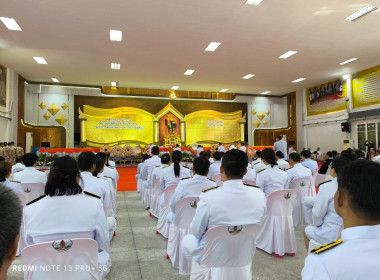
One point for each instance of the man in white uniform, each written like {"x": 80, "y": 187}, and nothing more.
{"x": 308, "y": 162}
{"x": 356, "y": 256}
{"x": 215, "y": 167}
{"x": 192, "y": 187}
{"x": 231, "y": 204}
{"x": 281, "y": 145}
{"x": 30, "y": 174}
{"x": 18, "y": 166}
{"x": 243, "y": 147}
{"x": 298, "y": 170}
{"x": 233, "y": 145}
{"x": 151, "y": 163}
{"x": 221, "y": 148}
{"x": 199, "y": 150}
{"x": 257, "y": 164}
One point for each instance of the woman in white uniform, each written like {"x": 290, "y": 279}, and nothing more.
{"x": 66, "y": 212}
{"x": 5, "y": 174}
{"x": 271, "y": 178}
{"x": 172, "y": 174}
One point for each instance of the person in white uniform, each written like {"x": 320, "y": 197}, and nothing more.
{"x": 231, "y": 204}
{"x": 5, "y": 175}
{"x": 215, "y": 167}
{"x": 271, "y": 178}
{"x": 66, "y": 212}
{"x": 233, "y": 145}
{"x": 326, "y": 223}
{"x": 221, "y": 148}
{"x": 150, "y": 164}
{"x": 282, "y": 164}
{"x": 257, "y": 164}
{"x": 108, "y": 171}
{"x": 141, "y": 165}
{"x": 280, "y": 145}
{"x": 357, "y": 201}
{"x": 19, "y": 166}
{"x": 30, "y": 174}
{"x": 243, "y": 147}
{"x": 192, "y": 187}
{"x": 308, "y": 162}
{"x": 298, "y": 170}
{"x": 199, "y": 150}
{"x": 11, "y": 217}
{"x": 250, "y": 177}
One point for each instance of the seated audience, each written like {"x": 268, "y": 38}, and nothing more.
{"x": 282, "y": 163}
{"x": 326, "y": 223}
{"x": 357, "y": 254}
{"x": 5, "y": 174}
{"x": 243, "y": 147}
{"x": 233, "y": 145}
{"x": 349, "y": 153}
{"x": 199, "y": 150}
{"x": 177, "y": 148}
{"x": 376, "y": 158}
{"x": 30, "y": 174}
{"x": 19, "y": 165}
{"x": 329, "y": 157}
{"x": 150, "y": 163}
{"x": 221, "y": 148}
{"x": 298, "y": 170}
{"x": 215, "y": 167}
{"x": 360, "y": 154}
{"x": 231, "y": 204}
{"x": 308, "y": 162}
{"x": 141, "y": 165}
{"x": 10, "y": 222}
{"x": 108, "y": 171}
{"x": 257, "y": 164}
{"x": 271, "y": 178}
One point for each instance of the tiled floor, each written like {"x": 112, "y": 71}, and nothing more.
{"x": 138, "y": 253}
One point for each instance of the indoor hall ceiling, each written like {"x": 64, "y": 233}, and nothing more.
{"x": 164, "y": 38}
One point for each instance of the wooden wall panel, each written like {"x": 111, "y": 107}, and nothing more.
{"x": 265, "y": 137}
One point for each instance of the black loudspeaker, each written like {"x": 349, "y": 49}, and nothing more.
{"x": 45, "y": 144}
{"x": 345, "y": 127}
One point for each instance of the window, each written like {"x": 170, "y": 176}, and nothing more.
{"x": 361, "y": 135}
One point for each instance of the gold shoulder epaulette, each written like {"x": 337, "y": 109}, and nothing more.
{"x": 326, "y": 247}
{"x": 16, "y": 181}
{"x": 324, "y": 182}
{"x": 108, "y": 177}
{"x": 256, "y": 163}
{"x": 92, "y": 194}
{"x": 289, "y": 168}
{"x": 211, "y": 180}
{"x": 165, "y": 166}
{"x": 185, "y": 178}
{"x": 260, "y": 170}
{"x": 248, "y": 185}
{"x": 206, "y": 190}
{"x": 35, "y": 200}
{"x": 186, "y": 167}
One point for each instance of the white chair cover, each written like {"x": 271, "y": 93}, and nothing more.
{"x": 320, "y": 179}
{"x": 162, "y": 225}
{"x": 227, "y": 253}
{"x": 77, "y": 258}
{"x": 148, "y": 188}
{"x": 139, "y": 187}
{"x": 304, "y": 187}
{"x": 184, "y": 213}
{"x": 277, "y": 231}
{"x": 22, "y": 240}
{"x": 217, "y": 178}
{"x": 155, "y": 198}
{"x": 17, "y": 169}
{"x": 32, "y": 190}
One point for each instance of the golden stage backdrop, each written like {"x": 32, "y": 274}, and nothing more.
{"x": 366, "y": 88}
{"x": 211, "y": 126}
{"x": 115, "y": 126}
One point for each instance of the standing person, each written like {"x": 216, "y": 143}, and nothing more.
{"x": 233, "y": 145}
{"x": 199, "y": 150}
{"x": 356, "y": 255}
{"x": 30, "y": 174}
{"x": 10, "y": 222}
{"x": 298, "y": 170}
{"x": 243, "y": 147}
{"x": 280, "y": 145}
{"x": 308, "y": 162}
{"x": 319, "y": 154}
{"x": 231, "y": 204}
{"x": 271, "y": 178}
{"x": 221, "y": 148}
{"x": 177, "y": 148}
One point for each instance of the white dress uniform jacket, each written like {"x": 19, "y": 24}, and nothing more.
{"x": 271, "y": 179}
{"x": 199, "y": 150}
{"x": 232, "y": 147}
{"x": 326, "y": 222}
{"x": 17, "y": 165}
{"x": 250, "y": 176}
{"x": 214, "y": 169}
{"x": 311, "y": 164}
{"x": 96, "y": 186}
{"x": 243, "y": 148}
{"x": 356, "y": 258}
{"x": 281, "y": 146}
{"x": 258, "y": 165}
{"x": 298, "y": 171}
{"x": 283, "y": 164}
{"x": 168, "y": 178}
{"x": 148, "y": 166}
{"x": 30, "y": 175}
{"x": 111, "y": 163}
{"x": 221, "y": 149}
{"x": 67, "y": 217}
{"x": 376, "y": 159}
{"x": 16, "y": 187}
{"x": 111, "y": 173}
{"x": 231, "y": 204}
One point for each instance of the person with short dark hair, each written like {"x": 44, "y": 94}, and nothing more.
{"x": 349, "y": 153}
{"x": 108, "y": 171}
{"x": 30, "y": 174}
{"x": 281, "y": 145}
{"x": 282, "y": 164}
{"x": 10, "y": 223}
{"x": 271, "y": 178}
{"x": 308, "y": 162}
{"x": 150, "y": 163}
{"x": 326, "y": 223}
{"x": 233, "y": 145}
{"x": 329, "y": 157}
{"x": 5, "y": 174}
{"x": 65, "y": 211}
{"x": 231, "y": 204}
{"x": 243, "y": 147}
{"x": 357, "y": 202}
{"x": 298, "y": 170}
{"x": 140, "y": 167}
{"x": 2, "y": 158}
{"x": 258, "y": 164}
{"x": 215, "y": 167}
{"x": 335, "y": 153}
{"x": 359, "y": 154}
{"x": 191, "y": 187}
{"x": 221, "y": 148}
{"x": 19, "y": 166}
{"x": 199, "y": 150}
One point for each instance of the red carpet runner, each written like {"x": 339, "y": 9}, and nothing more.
{"x": 127, "y": 181}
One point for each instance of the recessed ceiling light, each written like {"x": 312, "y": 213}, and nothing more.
{"x": 212, "y": 47}
{"x": 116, "y": 35}
{"x": 248, "y": 76}
{"x": 114, "y": 84}
{"x": 40, "y": 60}
{"x": 253, "y": 2}
{"x": 362, "y": 12}
{"x": 299, "y": 80}
{"x": 345, "y": 77}
{"x": 189, "y": 72}
{"x": 287, "y": 54}
{"x": 10, "y": 23}
{"x": 175, "y": 87}
{"x": 55, "y": 80}
{"x": 348, "y": 61}
{"x": 223, "y": 90}
{"x": 265, "y": 92}
{"x": 115, "y": 65}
